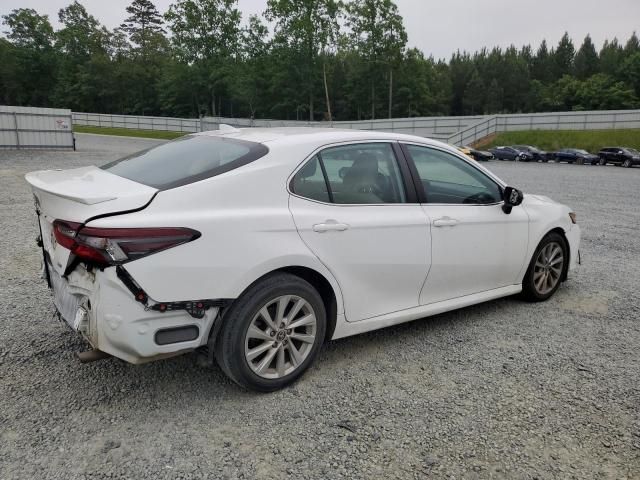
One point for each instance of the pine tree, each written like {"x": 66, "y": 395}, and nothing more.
{"x": 541, "y": 65}
{"x": 586, "y": 61}
{"x": 563, "y": 57}
{"x": 143, "y": 24}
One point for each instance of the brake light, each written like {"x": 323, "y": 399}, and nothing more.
{"x": 113, "y": 246}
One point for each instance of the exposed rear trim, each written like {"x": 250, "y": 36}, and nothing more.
{"x": 195, "y": 308}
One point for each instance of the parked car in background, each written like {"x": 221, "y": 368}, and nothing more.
{"x": 538, "y": 155}
{"x": 575, "y": 155}
{"x": 466, "y": 151}
{"x": 511, "y": 153}
{"x": 477, "y": 155}
{"x": 481, "y": 155}
{"x": 627, "y": 157}
{"x": 255, "y": 246}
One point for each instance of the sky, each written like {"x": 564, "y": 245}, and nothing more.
{"x": 440, "y": 27}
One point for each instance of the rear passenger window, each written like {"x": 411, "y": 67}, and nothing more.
{"x": 357, "y": 174}
{"x": 186, "y": 160}
{"x": 309, "y": 182}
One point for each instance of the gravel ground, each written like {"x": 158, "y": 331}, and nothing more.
{"x": 500, "y": 390}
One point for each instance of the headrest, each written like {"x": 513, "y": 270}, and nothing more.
{"x": 309, "y": 170}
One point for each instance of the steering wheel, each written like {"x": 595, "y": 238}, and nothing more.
{"x": 479, "y": 198}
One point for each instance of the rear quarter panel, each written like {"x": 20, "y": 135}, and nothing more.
{"x": 247, "y": 232}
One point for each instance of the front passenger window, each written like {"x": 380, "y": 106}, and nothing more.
{"x": 451, "y": 180}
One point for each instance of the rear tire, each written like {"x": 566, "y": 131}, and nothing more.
{"x": 580, "y": 161}
{"x": 547, "y": 268}
{"x": 256, "y": 348}
{"x": 602, "y": 161}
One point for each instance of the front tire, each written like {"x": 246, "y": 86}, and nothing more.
{"x": 627, "y": 163}
{"x": 602, "y": 161}
{"x": 272, "y": 333}
{"x": 547, "y": 268}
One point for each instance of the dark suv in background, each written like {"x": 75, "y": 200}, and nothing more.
{"x": 627, "y": 157}
{"x": 576, "y": 155}
{"x": 538, "y": 155}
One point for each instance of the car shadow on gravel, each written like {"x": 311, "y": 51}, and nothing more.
{"x": 171, "y": 382}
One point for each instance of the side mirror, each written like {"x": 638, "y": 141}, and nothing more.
{"x": 512, "y": 198}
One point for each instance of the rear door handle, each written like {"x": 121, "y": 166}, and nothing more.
{"x": 445, "y": 222}
{"x": 330, "y": 226}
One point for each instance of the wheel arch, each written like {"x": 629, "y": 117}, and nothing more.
{"x": 328, "y": 289}
{"x": 560, "y": 231}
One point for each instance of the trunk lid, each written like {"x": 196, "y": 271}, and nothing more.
{"x": 78, "y": 194}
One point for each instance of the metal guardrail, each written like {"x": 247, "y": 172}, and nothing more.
{"x": 593, "y": 120}
{"x": 35, "y": 128}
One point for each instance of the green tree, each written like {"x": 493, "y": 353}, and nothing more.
{"x": 250, "y": 83}
{"x": 586, "y": 61}
{"x": 630, "y": 71}
{"x": 379, "y": 36}
{"x": 563, "y": 56}
{"x": 611, "y": 56}
{"x": 144, "y": 24}
{"x": 33, "y": 57}
{"x": 494, "y": 97}
{"x": 308, "y": 28}
{"x": 473, "y": 99}
{"x": 541, "y": 68}
{"x": 79, "y": 43}
{"x": 205, "y": 34}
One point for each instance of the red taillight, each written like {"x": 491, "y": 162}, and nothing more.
{"x": 113, "y": 246}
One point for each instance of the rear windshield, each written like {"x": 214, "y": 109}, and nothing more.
{"x": 186, "y": 160}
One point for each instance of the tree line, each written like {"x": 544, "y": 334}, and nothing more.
{"x": 305, "y": 59}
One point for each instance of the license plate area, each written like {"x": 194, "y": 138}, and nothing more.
{"x": 66, "y": 302}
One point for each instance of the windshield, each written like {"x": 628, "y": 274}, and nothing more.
{"x": 633, "y": 151}
{"x": 583, "y": 152}
{"x": 186, "y": 160}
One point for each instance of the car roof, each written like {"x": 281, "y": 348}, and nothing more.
{"x": 312, "y": 135}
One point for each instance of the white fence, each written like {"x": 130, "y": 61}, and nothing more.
{"x": 171, "y": 124}
{"x": 456, "y": 130}
{"x": 433, "y": 127}
{"x": 28, "y": 127}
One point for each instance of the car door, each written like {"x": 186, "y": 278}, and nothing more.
{"x": 475, "y": 246}
{"x": 357, "y": 214}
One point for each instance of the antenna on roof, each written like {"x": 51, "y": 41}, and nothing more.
{"x": 224, "y": 128}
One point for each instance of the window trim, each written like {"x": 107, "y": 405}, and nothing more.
{"x": 420, "y": 187}
{"x": 406, "y": 179}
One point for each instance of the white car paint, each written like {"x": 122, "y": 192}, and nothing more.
{"x": 392, "y": 264}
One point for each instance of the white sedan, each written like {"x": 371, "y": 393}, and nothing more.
{"x": 255, "y": 246}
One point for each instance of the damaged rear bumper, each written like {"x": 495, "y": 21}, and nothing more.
{"x": 100, "y": 307}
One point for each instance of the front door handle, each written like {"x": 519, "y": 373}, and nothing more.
{"x": 330, "y": 226}
{"x": 445, "y": 222}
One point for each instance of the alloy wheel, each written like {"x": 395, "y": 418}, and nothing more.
{"x": 548, "y": 268}
{"x": 280, "y": 337}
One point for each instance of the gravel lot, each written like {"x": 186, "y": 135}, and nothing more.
{"x": 501, "y": 390}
